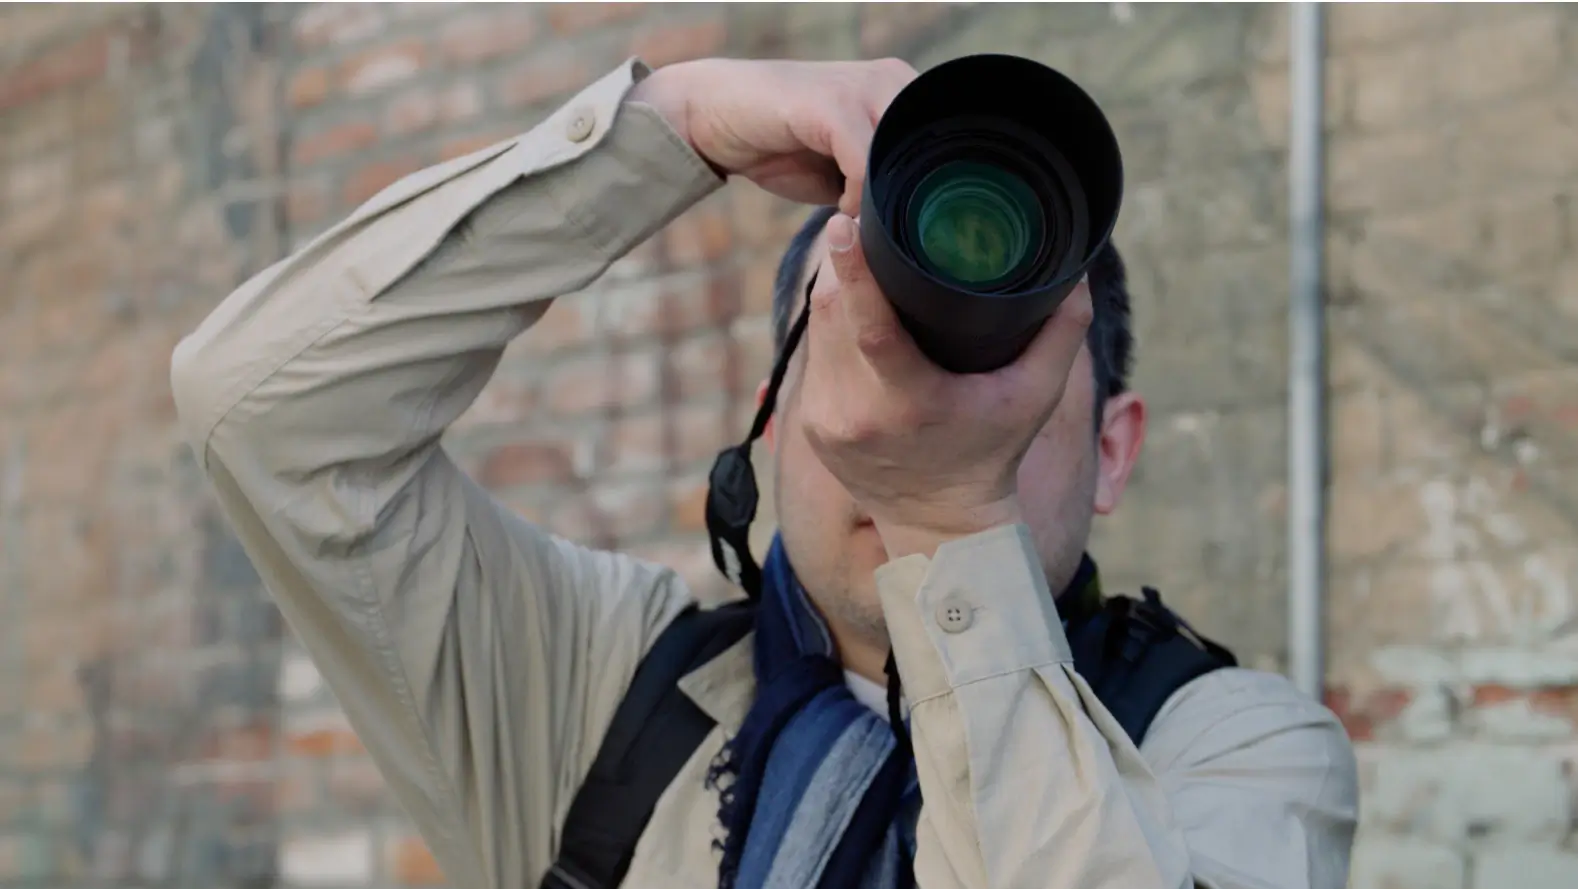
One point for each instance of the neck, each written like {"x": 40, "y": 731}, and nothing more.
{"x": 865, "y": 654}
{"x": 859, "y": 653}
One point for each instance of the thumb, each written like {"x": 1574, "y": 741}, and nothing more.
{"x": 870, "y": 322}
{"x": 843, "y": 242}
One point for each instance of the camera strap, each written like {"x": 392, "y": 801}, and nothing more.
{"x": 732, "y": 492}
{"x": 733, "y": 496}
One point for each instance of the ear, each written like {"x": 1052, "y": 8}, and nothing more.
{"x": 1122, "y": 434}
{"x": 769, "y": 435}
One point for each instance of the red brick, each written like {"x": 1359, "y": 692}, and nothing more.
{"x": 324, "y": 742}
{"x": 759, "y": 278}
{"x": 754, "y": 351}
{"x": 1557, "y": 701}
{"x": 698, "y": 305}
{"x": 629, "y": 314}
{"x": 327, "y": 24}
{"x": 46, "y": 749}
{"x": 688, "y": 504}
{"x": 376, "y": 177}
{"x": 541, "y": 79}
{"x": 700, "y": 366}
{"x": 411, "y": 863}
{"x": 1365, "y": 713}
{"x": 700, "y": 431}
{"x": 464, "y": 145}
{"x": 611, "y": 513}
{"x": 488, "y": 33}
{"x": 356, "y": 785}
{"x": 761, "y": 217}
{"x": 380, "y": 68}
{"x": 49, "y": 636}
{"x": 573, "y": 18}
{"x": 112, "y": 364}
{"x": 666, "y": 44}
{"x": 75, "y": 62}
{"x": 306, "y": 202}
{"x": 703, "y": 235}
{"x": 310, "y": 87}
{"x": 106, "y": 207}
{"x": 422, "y": 109}
{"x": 638, "y": 443}
{"x": 504, "y": 401}
{"x": 525, "y": 463}
{"x": 337, "y": 141}
{"x": 600, "y": 383}
{"x": 70, "y": 448}
{"x": 566, "y": 325}
{"x": 885, "y": 27}
{"x": 297, "y": 791}
{"x": 247, "y": 743}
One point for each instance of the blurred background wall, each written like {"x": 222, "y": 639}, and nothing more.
{"x": 159, "y": 728}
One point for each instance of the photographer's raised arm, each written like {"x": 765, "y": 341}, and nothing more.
{"x": 478, "y": 658}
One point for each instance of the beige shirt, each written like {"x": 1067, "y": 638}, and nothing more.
{"x": 481, "y": 659}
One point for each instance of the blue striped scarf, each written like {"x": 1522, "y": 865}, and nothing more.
{"x": 816, "y": 794}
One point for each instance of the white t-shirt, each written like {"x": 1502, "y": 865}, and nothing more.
{"x": 872, "y": 695}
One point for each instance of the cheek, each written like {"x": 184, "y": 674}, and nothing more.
{"x": 802, "y": 479}
{"x": 1059, "y": 466}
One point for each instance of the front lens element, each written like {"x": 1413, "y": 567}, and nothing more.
{"x": 974, "y": 223}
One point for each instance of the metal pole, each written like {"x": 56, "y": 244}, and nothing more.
{"x": 1306, "y": 351}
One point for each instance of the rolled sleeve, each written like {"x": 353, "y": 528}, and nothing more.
{"x": 479, "y": 658}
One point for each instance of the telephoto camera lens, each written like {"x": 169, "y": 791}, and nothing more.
{"x": 993, "y": 182}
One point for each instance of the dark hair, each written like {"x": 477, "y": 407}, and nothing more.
{"x": 1110, "y": 338}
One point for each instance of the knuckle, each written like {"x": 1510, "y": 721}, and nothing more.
{"x": 894, "y": 66}
{"x": 877, "y": 338}
{"x": 910, "y": 413}
{"x": 836, "y": 430}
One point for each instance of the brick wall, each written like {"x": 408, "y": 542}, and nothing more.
{"x": 157, "y": 726}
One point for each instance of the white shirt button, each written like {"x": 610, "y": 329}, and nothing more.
{"x": 954, "y": 614}
{"x": 582, "y": 121}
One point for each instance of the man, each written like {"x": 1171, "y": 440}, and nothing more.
{"x": 482, "y": 660}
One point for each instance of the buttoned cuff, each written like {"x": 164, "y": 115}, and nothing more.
{"x": 642, "y": 174}
{"x": 978, "y": 608}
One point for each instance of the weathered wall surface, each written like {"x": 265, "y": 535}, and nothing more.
{"x": 158, "y": 727}
{"x": 138, "y": 655}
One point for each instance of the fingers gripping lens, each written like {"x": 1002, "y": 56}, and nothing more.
{"x": 974, "y": 223}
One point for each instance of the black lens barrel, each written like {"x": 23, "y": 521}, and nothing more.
{"x": 1030, "y": 121}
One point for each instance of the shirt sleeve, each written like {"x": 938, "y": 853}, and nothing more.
{"x": 479, "y": 658}
{"x": 1029, "y": 783}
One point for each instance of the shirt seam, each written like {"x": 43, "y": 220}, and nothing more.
{"x": 996, "y": 674}
{"x": 345, "y": 309}
{"x": 449, "y": 804}
{"x": 235, "y": 394}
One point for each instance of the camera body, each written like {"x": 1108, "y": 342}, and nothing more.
{"x": 981, "y": 212}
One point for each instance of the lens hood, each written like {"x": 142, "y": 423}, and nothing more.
{"x": 1029, "y": 122}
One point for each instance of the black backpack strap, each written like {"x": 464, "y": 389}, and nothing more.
{"x": 1135, "y": 653}
{"x": 653, "y": 734}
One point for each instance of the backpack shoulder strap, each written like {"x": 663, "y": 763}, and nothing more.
{"x": 654, "y": 732}
{"x": 1135, "y": 653}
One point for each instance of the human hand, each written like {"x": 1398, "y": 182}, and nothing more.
{"x": 800, "y": 130}
{"x": 928, "y": 455}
